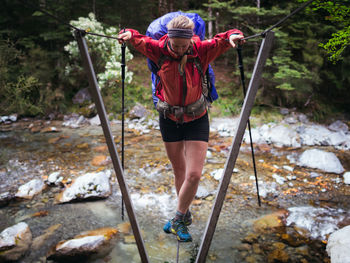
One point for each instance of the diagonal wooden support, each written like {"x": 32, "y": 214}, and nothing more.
{"x": 236, "y": 144}
{"x": 95, "y": 92}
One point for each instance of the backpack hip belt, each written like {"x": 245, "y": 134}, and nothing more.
{"x": 194, "y": 109}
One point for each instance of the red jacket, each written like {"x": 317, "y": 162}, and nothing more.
{"x": 169, "y": 74}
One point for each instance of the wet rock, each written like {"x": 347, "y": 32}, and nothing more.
{"x": 288, "y": 168}
{"x": 338, "y": 246}
{"x": 83, "y": 146}
{"x": 124, "y": 228}
{"x": 82, "y": 96}
{"x": 217, "y": 174}
{"x": 90, "y": 185}
{"x": 202, "y": 192}
{"x": 303, "y": 118}
{"x": 39, "y": 241}
{"x": 314, "y": 175}
{"x": 88, "y": 111}
{"x": 276, "y": 219}
{"x": 256, "y": 137}
{"x": 54, "y": 178}
{"x": 101, "y": 160}
{"x": 100, "y": 149}
{"x": 346, "y": 178}
{"x": 267, "y": 189}
{"x": 14, "y": 242}
{"x": 314, "y": 135}
{"x": 338, "y": 126}
{"x": 87, "y": 245}
{"x": 284, "y": 111}
{"x": 291, "y": 120}
{"x": 129, "y": 239}
{"x": 73, "y": 121}
{"x": 5, "y": 198}
{"x": 224, "y": 126}
{"x": 303, "y": 250}
{"x": 279, "y": 179}
{"x": 282, "y": 136}
{"x": 278, "y": 253}
{"x": 34, "y": 129}
{"x": 244, "y": 247}
{"x": 4, "y": 118}
{"x": 138, "y": 112}
{"x": 13, "y": 117}
{"x": 315, "y": 222}
{"x": 325, "y": 161}
{"x": 49, "y": 129}
{"x": 295, "y": 236}
{"x": 337, "y": 138}
{"x": 30, "y": 189}
{"x": 95, "y": 121}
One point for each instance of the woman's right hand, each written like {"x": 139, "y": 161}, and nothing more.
{"x": 124, "y": 36}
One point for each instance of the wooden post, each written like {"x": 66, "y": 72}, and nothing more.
{"x": 95, "y": 93}
{"x": 236, "y": 144}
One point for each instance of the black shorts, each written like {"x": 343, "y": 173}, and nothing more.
{"x": 197, "y": 130}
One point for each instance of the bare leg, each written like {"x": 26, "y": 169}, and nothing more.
{"x": 176, "y": 154}
{"x": 195, "y": 153}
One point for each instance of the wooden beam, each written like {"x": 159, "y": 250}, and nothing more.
{"x": 96, "y": 95}
{"x": 236, "y": 144}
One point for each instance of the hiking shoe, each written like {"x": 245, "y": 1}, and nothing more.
{"x": 179, "y": 229}
{"x": 167, "y": 226}
{"x": 188, "y": 219}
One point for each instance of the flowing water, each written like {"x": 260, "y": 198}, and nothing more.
{"x": 318, "y": 204}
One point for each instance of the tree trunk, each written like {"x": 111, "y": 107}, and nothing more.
{"x": 162, "y": 7}
{"x": 210, "y": 23}
{"x": 94, "y": 7}
{"x": 256, "y": 45}
{"x": 217, "y": 23}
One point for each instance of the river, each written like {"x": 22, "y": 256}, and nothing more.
{"x": 314, "y": 205}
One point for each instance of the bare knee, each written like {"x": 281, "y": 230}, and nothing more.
{"x": 193, "y": 177}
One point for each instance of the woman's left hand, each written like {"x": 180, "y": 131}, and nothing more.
{"x": 236, "y": 39}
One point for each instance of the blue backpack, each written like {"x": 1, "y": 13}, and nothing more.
{"x": 157, "y": 29}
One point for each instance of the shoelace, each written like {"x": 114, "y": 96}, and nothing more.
{"x": 181, "y": 227}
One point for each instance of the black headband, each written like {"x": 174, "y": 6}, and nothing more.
{"x": 180, "y": 33}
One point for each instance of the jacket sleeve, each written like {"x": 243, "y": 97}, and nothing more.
{"x": 144, "y": 44}
{"x": 212, "y": 48}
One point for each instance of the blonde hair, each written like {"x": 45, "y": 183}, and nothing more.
{"x": 181, "y": 22}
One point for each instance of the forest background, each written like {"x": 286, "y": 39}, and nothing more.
{"x": 308, "y": 68}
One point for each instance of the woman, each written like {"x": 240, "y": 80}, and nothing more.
{"x": 183, "y": 117}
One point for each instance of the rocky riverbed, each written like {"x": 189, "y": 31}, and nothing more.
{"x": 59, "y": 196}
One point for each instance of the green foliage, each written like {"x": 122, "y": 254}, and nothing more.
{"x": 21, "y": 97}
{"x": 339, "y": 13}
{"x": 18, "y": 94}
{"x": 105, "y": 52}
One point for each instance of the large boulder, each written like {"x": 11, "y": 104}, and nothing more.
{"x": 90, "y": 185}
{"x": 30, "y": 189}
{"x": 87, "y": 245}
{"x": 314, "y": 135}
{"x": 267, "y": 222}
{"x": 338, "y": 246}
{"x": 282, "y": 136}
{"x": 5, "y": 198}
{"x": 138, "y": 112}
{"x": 325, "y": 161}
{"x": 14, "y": 242}
{"x": 346, "y": 178}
